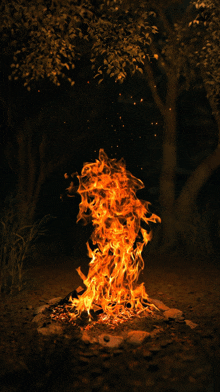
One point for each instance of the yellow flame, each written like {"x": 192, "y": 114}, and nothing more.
{"x": 108, "y": 197}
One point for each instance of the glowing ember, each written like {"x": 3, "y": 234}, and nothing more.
{"x": 108, "y": 198}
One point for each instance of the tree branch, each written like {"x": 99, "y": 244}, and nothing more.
{"x": 153, "y": 87}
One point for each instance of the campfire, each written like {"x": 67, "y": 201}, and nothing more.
{"x": 108, "y": 199}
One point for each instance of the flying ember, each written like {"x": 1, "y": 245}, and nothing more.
{"x": 108, "y": 198}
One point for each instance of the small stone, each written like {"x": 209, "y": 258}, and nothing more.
{"x": 84, "y": 360}
{"x": 105, "y": 356}
{"x": 173, "y": 314}
{"x": 114, "y": 341}
{"x": 96, "y": 353}
{"x": 159, "y": 304}
{"x": 87, "y": 338}
{"x": 166, "y": 343}
{"x": 156, "y": 331}
{"x": 40, "y": 319}
{"x": 40, "y": 309}
{"x": 191, "y": 324}
{"x": 147, "y": 354}
{"x": 55, "y": 300}
{"x": 86, "y": 353}
{"x": 51, "y": 329}
{"x": 117, "y": 352}
{"x": 133, "y": 365}
{"x": 106, "y": 338}
{"x": 137, "y": 337}
{"x": 155, "y": 349}
{"x": 180, "y": 320}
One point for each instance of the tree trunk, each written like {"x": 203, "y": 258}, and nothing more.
{"x": 186, "y": 203}
{"x": 167, "y": 177}
{"x": 31, "y": 174}
{"x": 189, "y": 193}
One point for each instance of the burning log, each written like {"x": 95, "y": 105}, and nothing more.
{"x": 108, "y": 199}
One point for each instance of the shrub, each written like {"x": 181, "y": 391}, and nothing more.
{"x": 16, "y": 241}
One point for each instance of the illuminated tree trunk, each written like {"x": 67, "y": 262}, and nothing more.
{"x": 167, "y": 177}
{"x": 187, "y": 199}
{"x": 185, "y": 204}
{"x": 178, "y": 216}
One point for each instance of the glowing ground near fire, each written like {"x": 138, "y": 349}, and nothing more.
{"x": 108, "y": 199}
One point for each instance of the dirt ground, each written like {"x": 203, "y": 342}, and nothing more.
{"x": 179, "y": 359}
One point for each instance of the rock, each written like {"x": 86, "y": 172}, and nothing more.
{"x": 191, "y": 324}
{"x": 154, "y": 349}
{"x": 165, "y": 343}
{"x": 114, "y": 341}
{"x": 180, "y": 320}
{"x": 117, "y": 352}
{"x": 83, "y": 360}
{"x": 104, "y": 356}
{"x": 173, "y": 314}
{"x": 137, "y": 337}
{"x": 159, "y": 304}
{"x": 132, "y": 365}
{"x": 54, "y": 301}
{"x": 40, "y": 309}
{"x": 147, "y": 354}
{"x": 156, "y": 331}
{"x": 51, "y": 329}
{"x": 86, "y": 353}
{"x": 87, "y": 338}
{"x": 40, "y": 319}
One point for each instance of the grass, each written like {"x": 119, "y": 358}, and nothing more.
{"x": 15, "y": 247}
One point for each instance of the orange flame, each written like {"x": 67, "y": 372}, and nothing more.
{"x": 108, "y": 197}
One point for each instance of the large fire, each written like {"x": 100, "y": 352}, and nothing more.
{"x": 108, "y": 198}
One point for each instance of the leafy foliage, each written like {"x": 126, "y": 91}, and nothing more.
{"x": 48, "y": 38}
{"x": 45, "y": 37}
{"x": 121, "y": 37}
{"x": 200, "y": 40}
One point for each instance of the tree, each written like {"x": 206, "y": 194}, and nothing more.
{"x": 123, "y": 37}
{"x": 202, "y": 32}
{"x": 163, "y": 51}
{"x": 40, "y": 40}
{"x": 175, "y": 60}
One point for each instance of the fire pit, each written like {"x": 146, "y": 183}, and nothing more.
{"x": 108, "y": 193}
{"x": 111, "y": 295}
